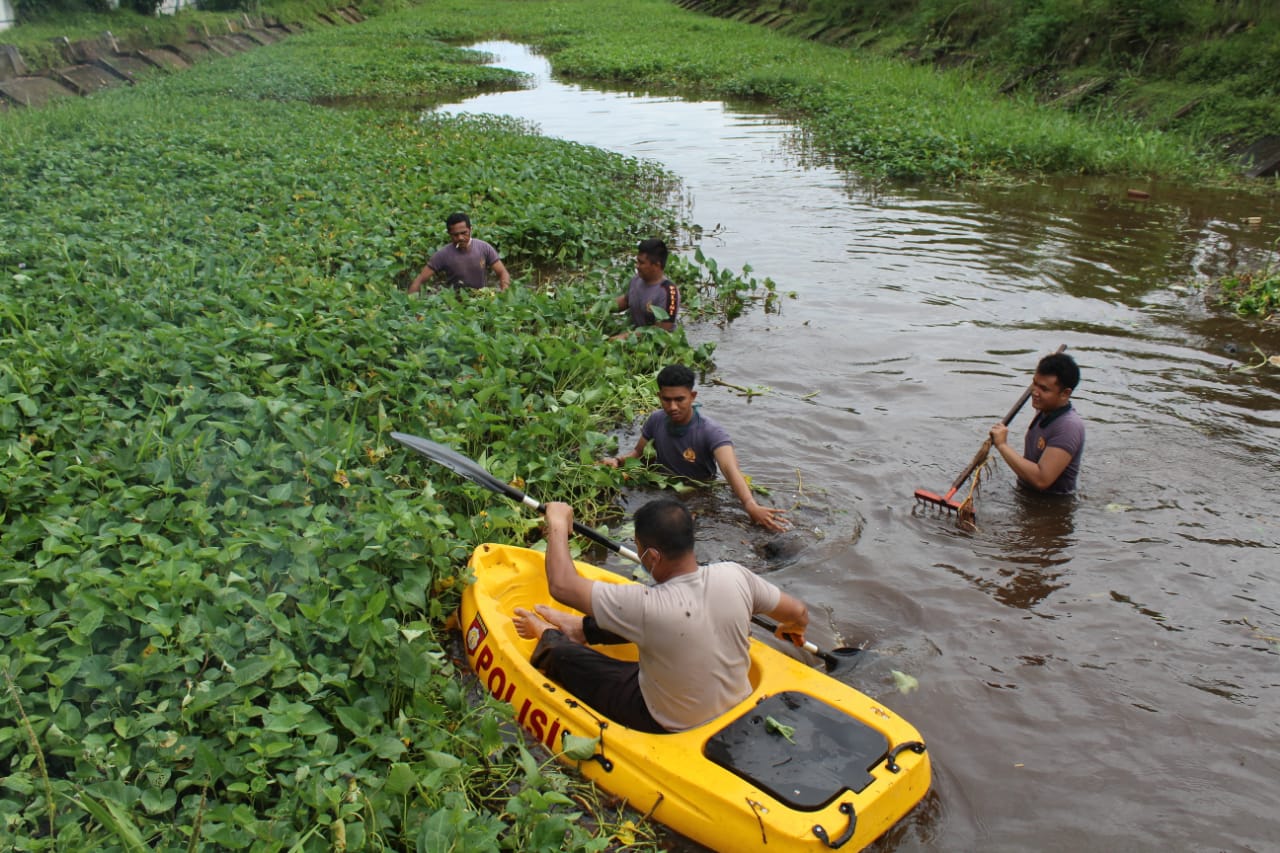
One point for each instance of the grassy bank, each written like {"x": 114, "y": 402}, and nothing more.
{"x": 1207, "y": 69}
{"x": 877, "y": 113}
{"x": 224, "y": 585}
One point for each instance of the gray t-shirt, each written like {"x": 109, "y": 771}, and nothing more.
{"x": 689, "y": 451}
{"x": 692, "y": 632}
{"x": 1061, "y": 429}
{"x": 464, "y": 269}
{"x": 641, "y": 295}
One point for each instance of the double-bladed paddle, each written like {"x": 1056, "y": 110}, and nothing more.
{"x": 471, "y": 470}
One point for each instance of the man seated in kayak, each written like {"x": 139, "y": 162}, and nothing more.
{"x": 1054, "y": 444}
{"x": 690, "y": 444}
{"x": 691, "y": 628}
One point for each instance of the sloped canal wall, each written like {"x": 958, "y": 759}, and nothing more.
{"x": 101, "y": 63}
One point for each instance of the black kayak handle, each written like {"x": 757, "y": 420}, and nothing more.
{"x": 845, "y": 808}
{"x": 891, "y": 762}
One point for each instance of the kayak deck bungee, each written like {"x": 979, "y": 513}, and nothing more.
{"x": 805, "y": 762}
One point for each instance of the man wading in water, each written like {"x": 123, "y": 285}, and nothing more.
{"x": 690, "y": 444}
{"x": 650, "y": 288}
{"x": 1055, "y": 440}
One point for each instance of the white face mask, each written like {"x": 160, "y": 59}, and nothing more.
{"x": 646, "y": 553}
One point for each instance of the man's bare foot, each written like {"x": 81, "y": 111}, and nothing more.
{"x": 567, "y": 623}
{"x": 528, "y": 625}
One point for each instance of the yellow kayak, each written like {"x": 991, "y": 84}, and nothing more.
{"x": 803, "y": 763}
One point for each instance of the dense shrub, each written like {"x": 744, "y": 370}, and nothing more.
{"x": 31, "y": 11}
{"x": 226, "y": 5}
{"x": 35, "y": 10}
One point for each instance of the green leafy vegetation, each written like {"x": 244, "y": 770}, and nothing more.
{"x": 781, "y": 729}
{"x": 1254, "y": 294}
{"x": 224, "y": 586}
{"x": 1206, "y": 69}
{"x": 882, "y": 116}
{"x": 409, "y": 65}
{"x": 1164, "y": 89}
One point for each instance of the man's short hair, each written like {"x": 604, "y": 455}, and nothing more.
{"x": 665, "y": 524}
{"x": 655, "y": 250}
{"x": 675, "y": 376}
{"x": 1061, "y": 366}
{"x": 455, "y": 218}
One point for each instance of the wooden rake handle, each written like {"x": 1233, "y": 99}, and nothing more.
{"x": 981, "y": 455}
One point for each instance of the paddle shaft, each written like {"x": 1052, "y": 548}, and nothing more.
{"x": 472, "y": 471}
{"x": 583, "y": 530}
{"x": 981, "y": 455}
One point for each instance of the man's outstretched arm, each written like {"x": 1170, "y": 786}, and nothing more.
{"x": 792, "y": 616}
{"x": 767, "y": 517}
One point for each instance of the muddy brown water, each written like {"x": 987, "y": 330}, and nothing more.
{"x": 1095, "y": 674}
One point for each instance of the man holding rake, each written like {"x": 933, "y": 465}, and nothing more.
{"x": 1050, "y": 461}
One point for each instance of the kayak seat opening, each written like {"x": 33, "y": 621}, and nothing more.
{"x": 800, "y": 750}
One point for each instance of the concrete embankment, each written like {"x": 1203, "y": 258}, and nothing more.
{"x": 100, "y": 63}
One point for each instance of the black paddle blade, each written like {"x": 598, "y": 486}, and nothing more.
{"x": 458, "y": 464}
{"x": 471, "y": 470}
{"x": 838, "y": 660}
{"x": 833, "y": 661}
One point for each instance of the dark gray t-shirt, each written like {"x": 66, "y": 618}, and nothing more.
{"x": 641, "y": 295}
{"x": 1064, "y": 430}
{"x": 465, "y": 269}
{"x": 689, "y": 452}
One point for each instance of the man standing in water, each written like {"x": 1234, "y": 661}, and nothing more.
{"x": 689, "y": 444}
{"x": 1055, "y": 440}
{"x": 465, "y": 262}
{"x": 650, "y": 288}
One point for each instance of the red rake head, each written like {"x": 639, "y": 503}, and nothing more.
{"x": 930, "y": 498}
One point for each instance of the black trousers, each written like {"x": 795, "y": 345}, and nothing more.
{"x": 609, "y": 685}
{"x": 597, "y": 636}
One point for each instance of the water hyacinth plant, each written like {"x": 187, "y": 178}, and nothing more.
{"x": 1253, "y": 293}
{"x": 224, "y": 587}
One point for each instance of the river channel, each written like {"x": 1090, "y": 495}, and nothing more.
{"x": 1090, "y": 675}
